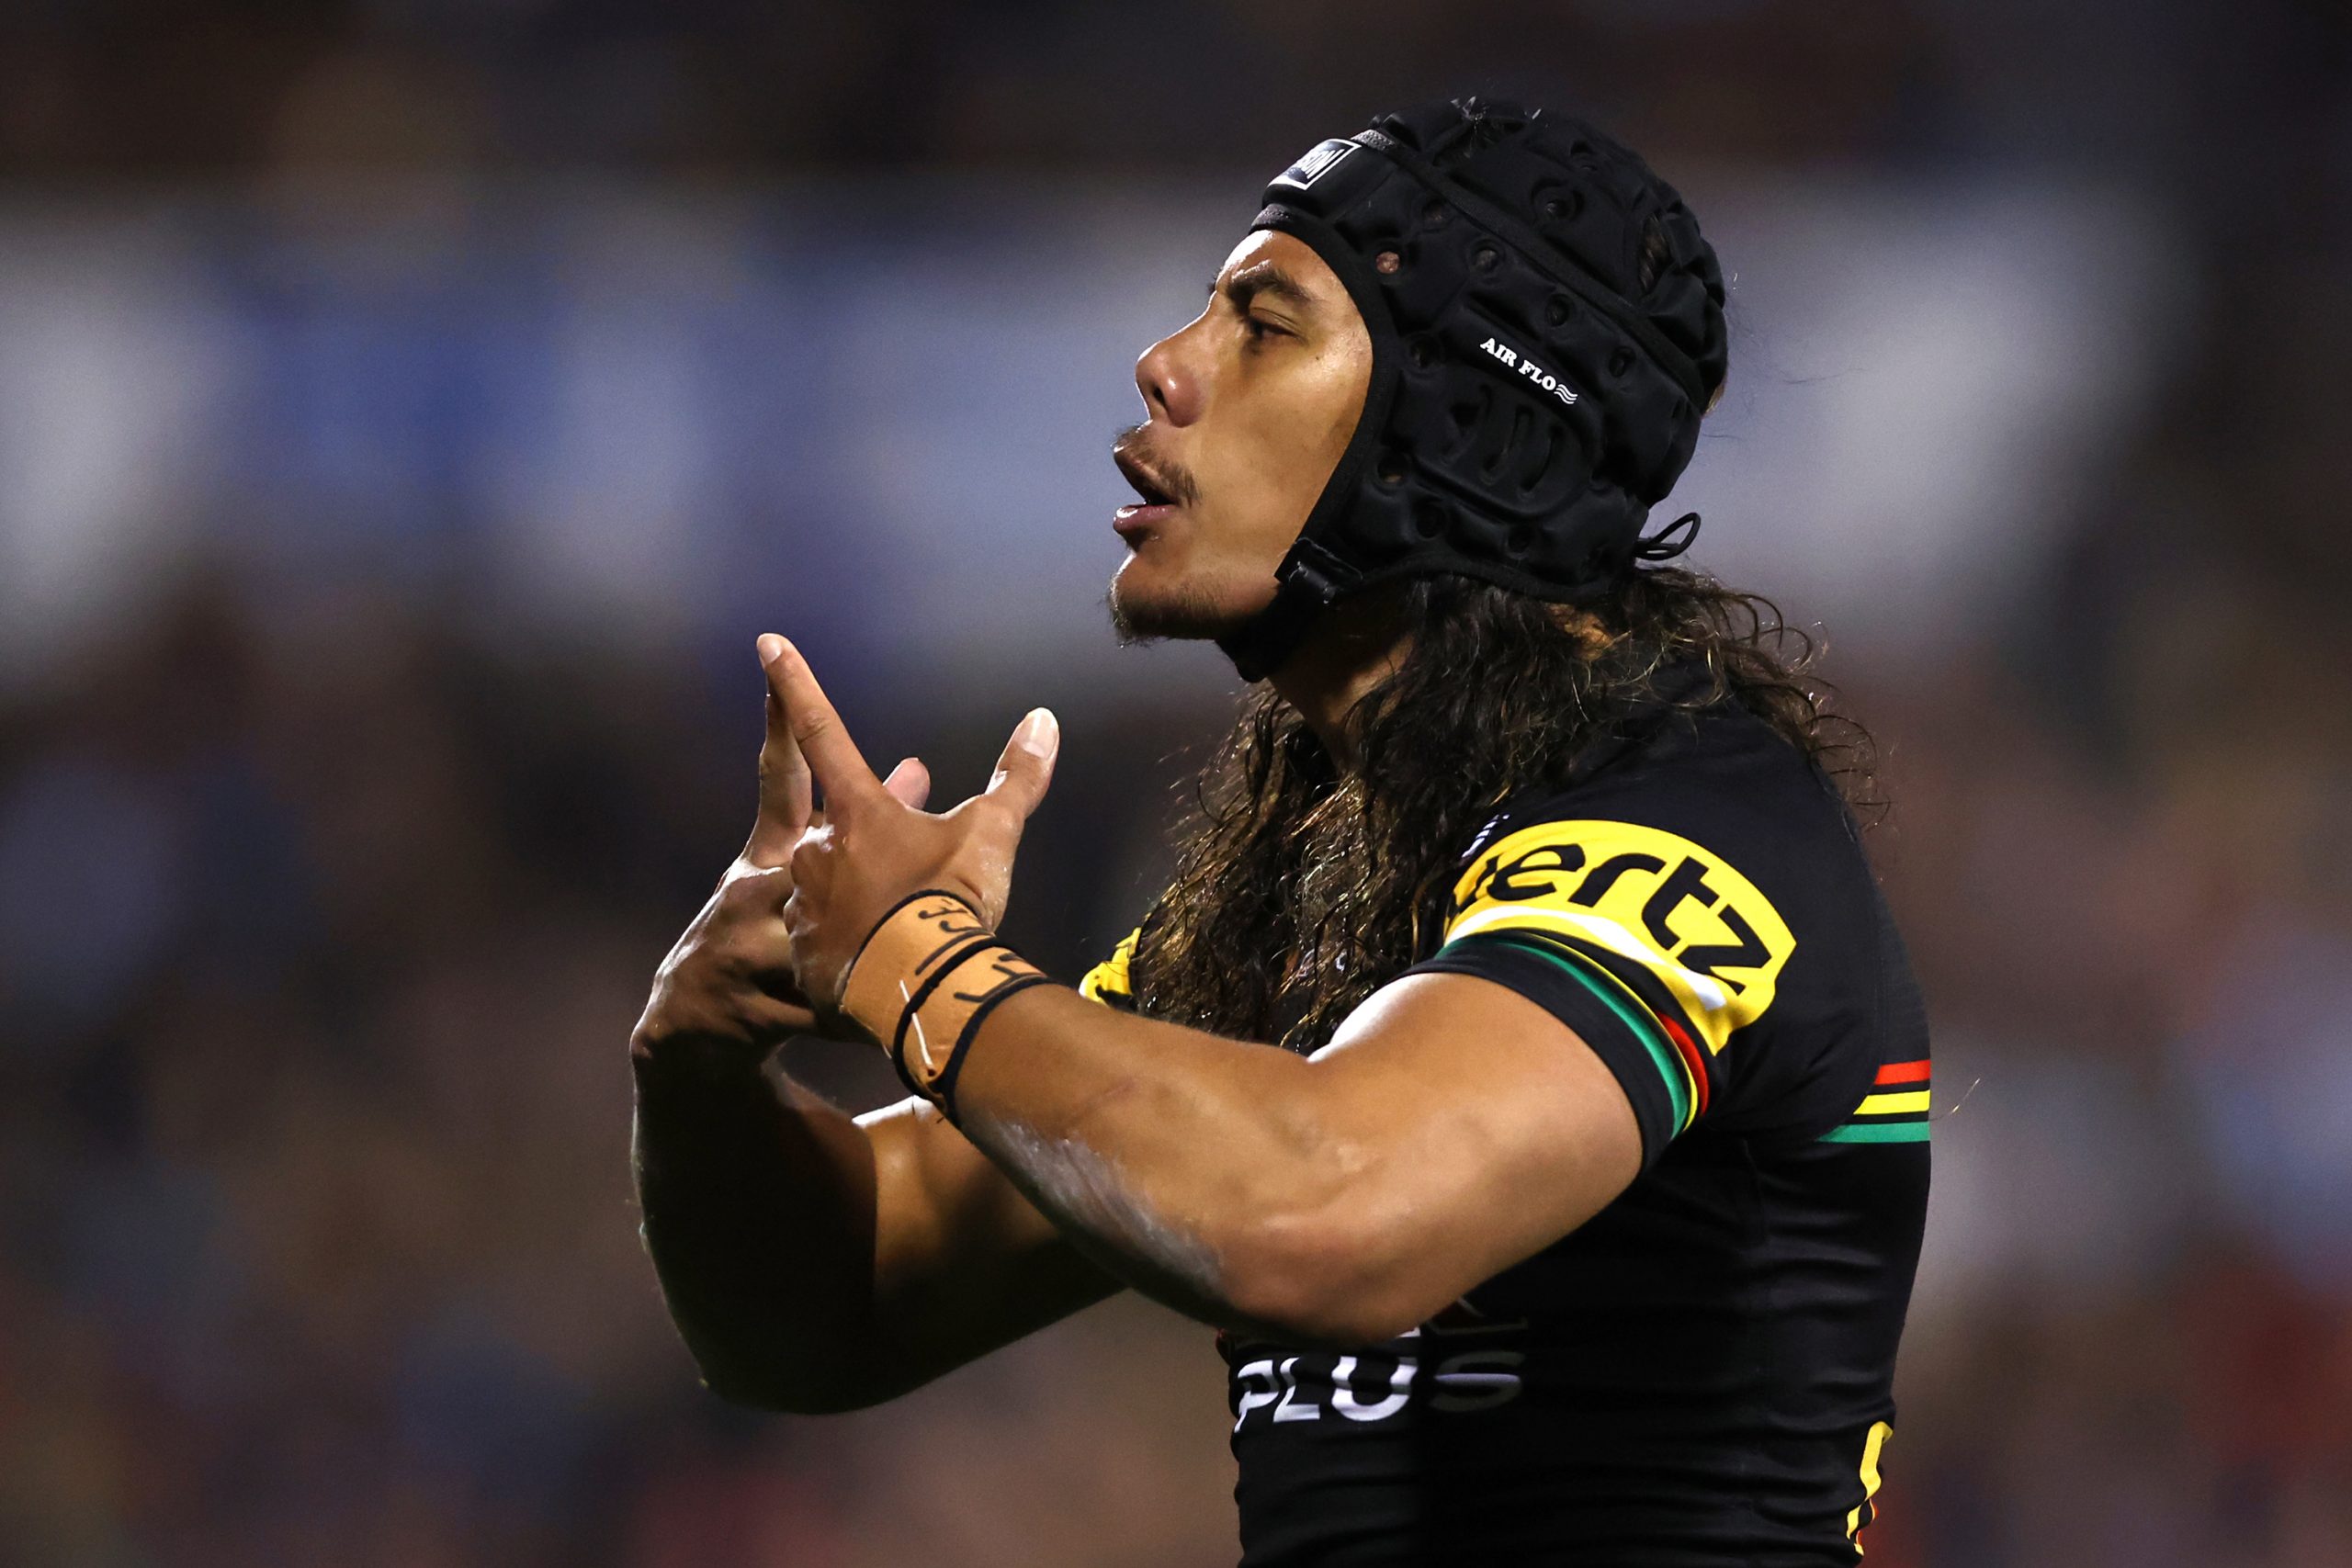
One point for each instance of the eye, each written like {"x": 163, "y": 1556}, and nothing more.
{"x": 1258, "y": 329}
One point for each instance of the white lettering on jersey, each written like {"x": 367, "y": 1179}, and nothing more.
{"x": 1472, "y": 1380}
{"x": 1289, "y": 1409}
{"x": 1343, "y": 1393}
{"x": 1251, "y": 1399}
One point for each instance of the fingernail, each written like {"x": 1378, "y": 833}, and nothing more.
{"x": 1038, "y": 732}
{"x": 771, "y": 648}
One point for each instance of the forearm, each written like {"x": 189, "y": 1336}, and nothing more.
{"x": 758, "y": 1204}
{"x": 1209, "y": 1174}
{"x": 1238, "y": 1183}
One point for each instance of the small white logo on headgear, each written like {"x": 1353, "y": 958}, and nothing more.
{"x": 1529, "y": 368}
{"x": 1315, "y": 164}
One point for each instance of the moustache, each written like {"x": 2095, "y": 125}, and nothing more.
{"x": 1131, "y": 449}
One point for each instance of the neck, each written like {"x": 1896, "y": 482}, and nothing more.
{"x": 1354, "y": 648}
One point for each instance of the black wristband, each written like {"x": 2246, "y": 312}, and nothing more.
{"x": 944, "y": 1095}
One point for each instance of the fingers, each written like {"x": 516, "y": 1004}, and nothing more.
{"x": 909, "y": 783}
{"x": 786, "y": 794}
{"x": 832, "y": 757}
{"x": 1027, "y": 765}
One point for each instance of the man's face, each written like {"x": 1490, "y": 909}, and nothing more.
{"x": 1250, "y": 407}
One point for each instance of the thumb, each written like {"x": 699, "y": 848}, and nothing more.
{"x": 1027, "y": 765}
{"x": 910, "y": 783}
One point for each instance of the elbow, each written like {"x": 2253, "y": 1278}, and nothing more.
{"x": 831, "y": 1381}
{"x": 779, "y": 1392}
{"x": 1322, "y": 1278}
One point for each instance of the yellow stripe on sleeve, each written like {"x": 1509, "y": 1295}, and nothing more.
{"x": 1110, "y": 980}
{"x": 1872, "y": 1447}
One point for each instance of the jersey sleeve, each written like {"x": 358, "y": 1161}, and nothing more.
{"x": 1654, "y": 947}
{"x": 1112, "y": 982}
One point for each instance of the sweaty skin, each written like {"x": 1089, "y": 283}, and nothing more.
{"x": 1250, "y": 406}
{"x": 1450, "y": 1129}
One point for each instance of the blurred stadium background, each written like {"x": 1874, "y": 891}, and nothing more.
{"x": 410, "y": 409}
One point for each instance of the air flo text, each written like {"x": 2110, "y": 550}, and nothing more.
{"x": 1529, "y": 368}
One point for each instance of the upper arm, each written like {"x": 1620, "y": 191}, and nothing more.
{"x": 1656, "y": 948}
{"x": 963, "y": 1263}
{"x": 1596, "y": 995}
{"x": 1482, "y": 1129}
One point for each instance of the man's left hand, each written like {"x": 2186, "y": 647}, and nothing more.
{"x": 873, "y": 850}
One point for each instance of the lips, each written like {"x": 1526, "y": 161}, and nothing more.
{"x": 1146, "y": 482}
{"x": 1135, "y": 521}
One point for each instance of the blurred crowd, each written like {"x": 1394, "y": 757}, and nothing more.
{"x": 332, "y": 874}
{"x": 322, "y": 948}
{"x": 98, "y": 90}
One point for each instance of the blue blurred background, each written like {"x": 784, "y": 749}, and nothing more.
{"x": 410, "y": 409}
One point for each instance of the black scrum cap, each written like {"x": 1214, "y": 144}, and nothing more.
{"x": 1530, "y": 400}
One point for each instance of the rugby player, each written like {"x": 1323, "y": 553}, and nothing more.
{"x": 1522, "y": 1073}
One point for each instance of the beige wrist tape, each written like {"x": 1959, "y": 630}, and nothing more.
{"x": 924, "y": 980}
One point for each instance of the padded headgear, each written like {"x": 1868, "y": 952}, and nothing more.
{"x": 1530, "y": 400}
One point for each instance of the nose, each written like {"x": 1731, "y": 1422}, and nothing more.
{"x": 1170, "y": 386}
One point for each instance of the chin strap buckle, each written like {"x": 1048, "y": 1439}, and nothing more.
{"x": 1308, "y": 581}
{"x": 1317, "y": 574}
{"x": 1669, "y": 541}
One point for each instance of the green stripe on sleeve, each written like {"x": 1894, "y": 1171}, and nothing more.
{"x": 1634, "y": 1017}
{"x": 1877, "y": 1133}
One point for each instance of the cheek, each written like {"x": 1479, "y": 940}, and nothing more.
{"x": 1345, "y": 378}
{"x": 1280, "y": 471}
{"x": 1266, "y": 463}
{"x": 1296, "y": 448}
{"x": 1287, "y": 467}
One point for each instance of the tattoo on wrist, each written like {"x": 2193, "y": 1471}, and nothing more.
{"x": 930, "y": 973}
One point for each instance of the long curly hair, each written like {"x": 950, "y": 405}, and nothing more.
{"x": 1300, "y": 889}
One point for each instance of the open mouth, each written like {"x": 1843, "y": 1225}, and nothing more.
{"x": 1143, "y": 480}
{"x": 1156, "y": 505}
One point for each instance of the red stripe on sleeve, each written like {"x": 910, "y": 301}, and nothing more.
{"x": 1903, "y": 1071}
{"x": 1692, "y": 1057}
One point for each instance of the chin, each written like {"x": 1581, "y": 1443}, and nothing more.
{"x": 1148, "y": 605}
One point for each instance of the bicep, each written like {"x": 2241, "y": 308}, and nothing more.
{"x": 1486, "y": 1127}
{"x": 963, "y": 1264}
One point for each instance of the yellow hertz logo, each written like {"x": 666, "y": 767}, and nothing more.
{"x": 1681, "y": 913}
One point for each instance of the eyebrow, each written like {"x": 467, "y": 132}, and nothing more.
{"x": 1263, "y": 278}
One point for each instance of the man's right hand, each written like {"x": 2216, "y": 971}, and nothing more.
{"x": 815, "y": 1262}
{"x": 725, "y": 996}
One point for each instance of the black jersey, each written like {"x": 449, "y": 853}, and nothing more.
{"x": 1701, "y": 1375}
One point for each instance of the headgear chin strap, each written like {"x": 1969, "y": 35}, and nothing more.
{"x": 1530, "y": 400}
